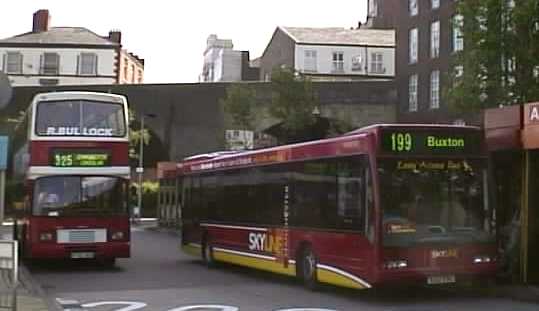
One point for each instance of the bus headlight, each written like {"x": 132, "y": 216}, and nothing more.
{"x": 45, "y": 236}
{"x": 482, "y": 259}
{"x": 119, "y": 235}
{"x": 396, "y": 264}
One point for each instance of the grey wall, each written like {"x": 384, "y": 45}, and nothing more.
{"x": 190, "y": 119}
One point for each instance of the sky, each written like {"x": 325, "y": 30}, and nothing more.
{"x": 171, "y": 35}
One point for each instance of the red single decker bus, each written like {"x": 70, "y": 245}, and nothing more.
{"x": 74, "y": 167}
{"x": 385, "y": 204}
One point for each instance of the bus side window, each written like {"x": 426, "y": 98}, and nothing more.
{"x": 351, "y": 193}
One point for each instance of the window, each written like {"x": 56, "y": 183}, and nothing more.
{"x": 412, "y": 7}
{"x": 373, "y": 8}
{"x": 412, "y": 93}
{"x": 310, "y": 60}
{"x": 88, "y": 64}
{"x": 133, "y": 73}
{"x": 50, "y": 64}
{"x": 377, "y": 63}
{"x": 435, "y": 39}
{"x": 80, "y": 118}
{"x": 413, "y": 46}
{"x": 435, "y": 4}
{"x": 73, "y": 195}
{"x": 338, "y": 61}
{"x": 330, "y": 194}
{"x": 435, "y": 89}
{"x": 13, "y": 62}
{"x": 126, "y": 69}
{"x": 140, "y": 76}
{"x": 458, "y": 40}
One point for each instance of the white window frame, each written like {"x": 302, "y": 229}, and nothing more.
{"x": 377, "y": 63}
{"x": 310, "y": 60}
{"x": 338, "y": 61}
{"x": 435, "y": 4}
{"x": 412, "y": 93}
{"x": 458, "y": 40}
{"x": 13, "y": 59}
{"x": 83, "y": 68}
{"x": 413, "y": 36}
{"x": 50, "y": 70}
{"x": 435, "y": 39}
{"x": 435, "y": 89}
{"x": 413, "y": 7}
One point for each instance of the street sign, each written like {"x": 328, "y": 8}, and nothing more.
{"x": 3, "y": 152}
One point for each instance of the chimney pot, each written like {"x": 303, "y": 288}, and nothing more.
{"x": 41, "y": 21}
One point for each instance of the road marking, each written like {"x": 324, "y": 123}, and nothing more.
{"x": 131, "y": 305}
{"x": 75, "y": 305}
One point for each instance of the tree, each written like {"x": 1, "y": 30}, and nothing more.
{"x": 135, "y": 135}
{"x": 240, "y": 102}
{"x": 292, "y": 100}
{"x": 499, "y": 59}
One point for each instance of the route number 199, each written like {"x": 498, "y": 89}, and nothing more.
{"x": 401, "y": 142}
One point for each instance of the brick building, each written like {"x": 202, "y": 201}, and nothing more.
{"x": 427, "y": 37}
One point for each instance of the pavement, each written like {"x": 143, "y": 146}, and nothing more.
{"x": 30, "y": 295}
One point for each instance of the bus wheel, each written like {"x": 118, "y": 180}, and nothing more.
{"x": 207, "y": 255}
{"x": 308, "y": 269}
{"x": 109, "y": 262}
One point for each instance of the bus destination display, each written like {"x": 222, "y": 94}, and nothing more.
{"x": 80, "y": 158}
{"x": 411, "y": 141}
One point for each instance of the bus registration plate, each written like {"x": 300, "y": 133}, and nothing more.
{"x": 441, "y": 279}
{"x": 82, "y": 255}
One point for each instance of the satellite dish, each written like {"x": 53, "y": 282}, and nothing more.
{"x": 5, "y": 90}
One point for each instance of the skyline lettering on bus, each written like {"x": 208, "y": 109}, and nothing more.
{"x": 266, "y": 242}
{"x": 76, "y": 131}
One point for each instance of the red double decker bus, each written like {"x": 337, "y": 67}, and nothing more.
{"x": 73, "y": 164}
{"x": 386, "y": 204}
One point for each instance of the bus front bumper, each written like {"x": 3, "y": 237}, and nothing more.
{"x": 438, "y": 276}
{"x": 81, "y": 251}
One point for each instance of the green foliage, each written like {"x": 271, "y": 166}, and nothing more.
{"x": 500, "y": 63}
{"x": 292, "y": 100}
{"x": 135, "y": 135}
{"x": 239, "y": 102}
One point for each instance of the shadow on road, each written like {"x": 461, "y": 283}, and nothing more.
{"x": 378, "y": 296}
{"x": 69, "y": 266}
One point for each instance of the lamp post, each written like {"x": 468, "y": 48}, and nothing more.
{"x": 140, "y": 168}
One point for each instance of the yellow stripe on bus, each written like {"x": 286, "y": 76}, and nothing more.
{"x": 253, "y": 262}
{"x": 192, "y": 249}
{"x": 333, "y": 278}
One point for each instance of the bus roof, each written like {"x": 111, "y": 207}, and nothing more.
{"x": 350, "y": 143}
{"x": 78, "y": 94}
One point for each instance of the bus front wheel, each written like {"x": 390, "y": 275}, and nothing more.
{"x": 207, "y": 255}
{"x": 308, "y": 268}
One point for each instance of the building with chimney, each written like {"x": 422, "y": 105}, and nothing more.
{"x": 428, "y": 37}
{"x": 224, "y": 64}
{"x": 331, "y": 54}
{"x": 67, "y": 56}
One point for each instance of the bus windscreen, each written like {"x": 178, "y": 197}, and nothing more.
{"x": 80, "y": 118}
{"x": 435, "y": 201}
{"x": 79, "y": 196}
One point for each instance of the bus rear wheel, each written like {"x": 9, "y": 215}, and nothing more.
{"x": 308, "y": 268}
{"x": 109, "y": 262}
